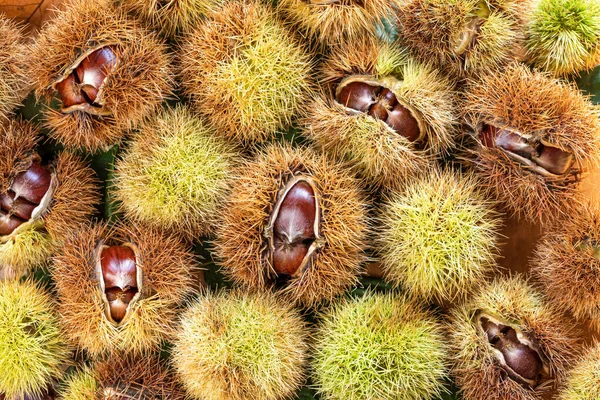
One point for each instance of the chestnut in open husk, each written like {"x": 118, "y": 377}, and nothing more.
{"x": 382, "y": 111}
{"x": 106, "y": 70}
{"x": 533, "y": 137}
{"x": 41, "y": 201}
{"x": 508, "y": 343}
{"x": 294, "y": 221}
{"x": 120, "y": 289}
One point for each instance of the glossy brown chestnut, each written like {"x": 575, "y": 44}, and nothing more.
{"x": 119, "y": 271}
{"x": 25, "y": 194}
{"x": 547, "y": 159}
{"x": 523, "y": 363}
{"x": 82, "y": 85}
{"x": 380, "y": 103}
{"x": 294, "y": 230}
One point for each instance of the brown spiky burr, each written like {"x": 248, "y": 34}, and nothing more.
{"x": 567, "y": 262}
{"x": 121, "y": 378}
{"x": 334, "y": 22}
{"x": 295, "y": 221}
{"x": 465, "y": 37}
{"x": 508, "y": 343}
{"x": 534, "y": 136}
{"x": 41, "y": 201}
{"x": 13, "y": 61}
{"x": 382, "y": 111}
{"x": 120, "y": 288}
{"x": 106, "y": 71}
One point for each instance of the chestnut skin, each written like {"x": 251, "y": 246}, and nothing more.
{"x": 380, "y": 103}
{"x": 519, "y": 357}
{"x": 119, "y": 271}
{"x": 25, "y": 194}
{"x": 83, "y": 84}
{"x": 294, "y": 230}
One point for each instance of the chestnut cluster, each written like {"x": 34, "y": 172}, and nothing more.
{"x": 299, "y": 192}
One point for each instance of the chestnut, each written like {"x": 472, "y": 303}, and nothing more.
{"x": 294, "y": 227}
{"x": 120, "y": 280}
{"x": 364, "y": 95}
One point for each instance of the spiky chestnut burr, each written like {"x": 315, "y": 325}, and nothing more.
{"x": 567, "y": 263}
{"x": 41, "y": 202}
{"x": 120, "y": 289}
{"x": 438, "y": 237}
{"x": 106, "y": 70}
{"x": 465, "y": 37}
{"x": 384, "y": 112}
{"x": 169, "y": 17}
{"x": 237, "y": 346}
{"x": 294, "y": 221}
{"x": 335, "y": 22}
{"x": 507, "y": 343}
{"x": 245, "y": 72}
{"x": 175, "y": 174}
{"x": 563, "y": 36}
{"x": 13, "y": 59}
{"x": 379, "y": 346}
{"x": 583, "y": 381}
{"x": 121, "y": 378}
{"x": 32, "y": 346}
{"x": 534, "y": 138}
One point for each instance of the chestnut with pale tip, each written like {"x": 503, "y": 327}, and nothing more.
{"x": 293, "y": 233}
{"x": 120, "y": 280}
{"x": 294, "y": 222}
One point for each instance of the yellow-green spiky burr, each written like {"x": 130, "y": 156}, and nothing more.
{"x": 32, "y": 346}
{"x": 236, "y": 346}
{"x": 245, "y": 72}
{"x": 379, "y": 346}
{"x": 337, "y": 22}
{"x": 583, "y": 381}
{"x": 438, "y": 237}
{"x": 563, "y": 36}
{"x": 175, "y": 174}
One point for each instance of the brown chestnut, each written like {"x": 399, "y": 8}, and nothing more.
{"x": 516, "y": 352}
{"x": 294, "y": 227}
{"x": 79, "y": 89}
{"x": 119, "y": 279}
{"x": 358, "y": 94}
{"x": 27, "y": 192}
{"x": 543, "y": 157}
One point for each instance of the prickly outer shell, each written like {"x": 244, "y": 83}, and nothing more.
{"x": 243, "y": 249}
